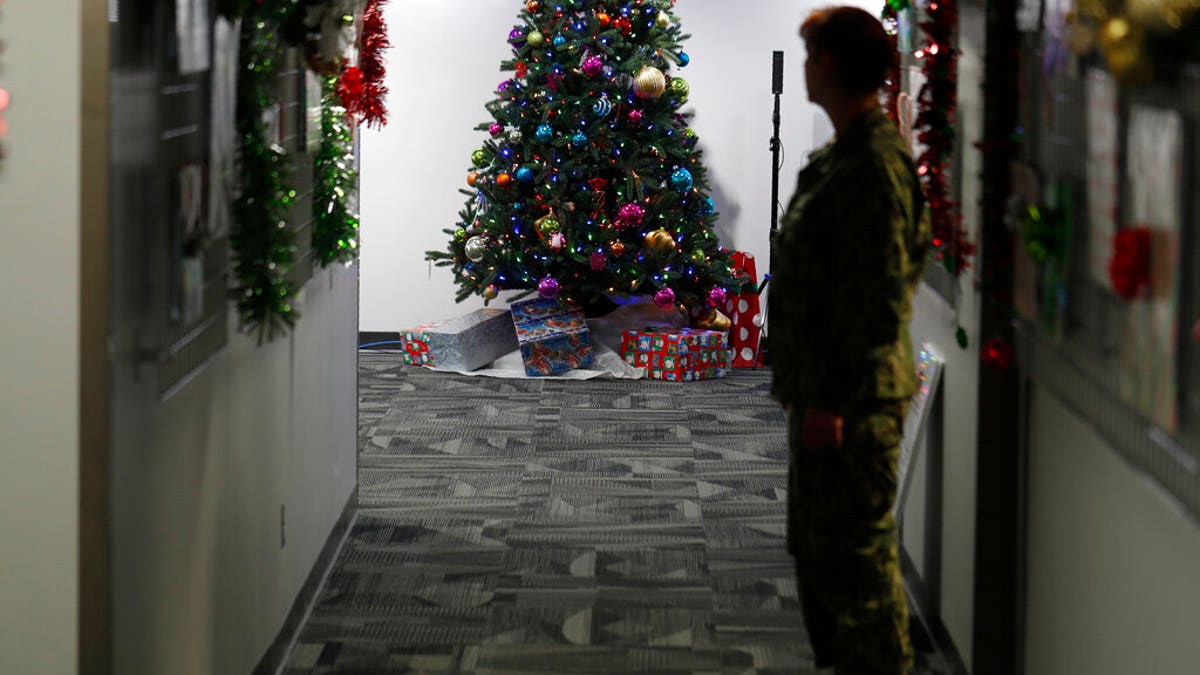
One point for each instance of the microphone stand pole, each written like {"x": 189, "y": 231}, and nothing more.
{"x": 776, "y": 145}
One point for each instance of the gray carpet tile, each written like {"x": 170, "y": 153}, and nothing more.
{"x": 545, "y": 526}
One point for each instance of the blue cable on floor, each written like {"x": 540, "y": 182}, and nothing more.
{"x": 376, "y": 344}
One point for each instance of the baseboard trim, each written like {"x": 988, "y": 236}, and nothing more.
{"x": 372, "y": 339}
{"x": 275, "y": 658}
{"x": 943, "y": 645}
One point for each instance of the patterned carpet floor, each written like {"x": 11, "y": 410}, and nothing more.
{"x": 539, "y": 526}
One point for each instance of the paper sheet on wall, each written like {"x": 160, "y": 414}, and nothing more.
{"x": 1149, "y": 337}
{"x": 1102, "y": 166}
{"x": 191, "y": 32}
{"x": 223, "y": 134}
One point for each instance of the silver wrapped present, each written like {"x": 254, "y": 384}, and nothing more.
{"x": 465, "y": 343}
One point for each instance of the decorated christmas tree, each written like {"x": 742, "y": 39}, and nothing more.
{"x": 589, "y": 183}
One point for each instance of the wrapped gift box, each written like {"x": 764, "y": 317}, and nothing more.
{"x": 466, "y": 343}
{"x": 553, "y": 336}
{"x": 741, "y": 308}
{"x": 677, "y": 354}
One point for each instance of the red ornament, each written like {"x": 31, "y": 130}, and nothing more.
{"x": 598, "y": 184}
{"x": 598, "y": 262}
{"x": 1129, "y": 268}
{"x": 623, "y": 24}
{"x": 997, "y": 353}
{"x": 522, "y": 70}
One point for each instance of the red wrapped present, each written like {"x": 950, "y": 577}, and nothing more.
{"x": 677, "y": 354}
{"x": 742, "y": 308}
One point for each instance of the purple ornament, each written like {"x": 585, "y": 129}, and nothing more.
{"x": 630, "y": 215}
{"x": 496, "y": 129}
{"x": 504, "y": 86}
{"x": 592, "y": 65}
{"x": 516, "y": 35}
{"x": 548, "y": 287}
{"x": 635, "y": 116}
{"x": 716, "y": 296}
{"x": 665, "y": 298}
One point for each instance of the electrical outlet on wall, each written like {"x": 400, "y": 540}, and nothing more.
{"x": 282, "y": 525}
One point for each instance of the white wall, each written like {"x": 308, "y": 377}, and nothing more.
{"x": 1114, "y": 572}
{"x": 201, "y": 583}
{"x": 39, "y": 345}
{"x": 936, "y": 321}
{"x": 413, "y": 168}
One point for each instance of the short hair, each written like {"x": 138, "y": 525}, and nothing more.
{"x": 864, "y": 53}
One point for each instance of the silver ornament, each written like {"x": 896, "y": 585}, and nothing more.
{"x": 515, "y": 136}
{"x": 475, "y": 248}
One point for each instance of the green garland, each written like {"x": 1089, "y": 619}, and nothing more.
{"x": 335, "y": 225}
{"x": 263, "y": 247}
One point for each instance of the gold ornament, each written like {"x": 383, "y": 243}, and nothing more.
{"x": 714, "y": 319}
{"x": 490, "y": 292}
{"x": 660, "y": 241}
{"x": 649, "y": 82}
{"x": 617, "y": 249}
{"x": 663, "y": 20}
{"x": 547, "y": 225}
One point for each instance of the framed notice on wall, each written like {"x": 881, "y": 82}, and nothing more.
{"x": 1149, "y": 337}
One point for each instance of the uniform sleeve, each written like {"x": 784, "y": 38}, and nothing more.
{"x": 871, "y": 288}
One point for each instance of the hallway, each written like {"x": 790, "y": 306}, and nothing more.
{"x": 525, "y": 526}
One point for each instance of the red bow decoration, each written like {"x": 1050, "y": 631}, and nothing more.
{"x": 1129, "y": 268}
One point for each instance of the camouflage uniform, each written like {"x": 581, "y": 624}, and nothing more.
{"x": 846, "y": 261}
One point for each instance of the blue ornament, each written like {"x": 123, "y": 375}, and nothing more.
{"x": 602, "y": 107}
{"x": 681, "y": 180}
{"x": 579, "y": 138}
{"x": 525, "y": 174}
{"x": 559, "y": 40}
{"x": 707, "y": 206}
{"x": 545, "y": 133}
{"x": 684, "y": 59}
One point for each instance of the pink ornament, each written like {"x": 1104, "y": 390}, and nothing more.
{"x": 716, "y": 296}
{"x": 598, "y": 262}
{"x": 630, "y": 215}
{"x": 496, "y": 129}
{"x": 558, "y": 241}
{"x": 548, "y": 287}
{"x": 592, "y": 65}
{"x": 635, "y": 116}
{"x": 665, "y": 298}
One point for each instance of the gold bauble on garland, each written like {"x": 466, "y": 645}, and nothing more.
{"x": 649, "y": 82}
{"x": 1121, "y": 44}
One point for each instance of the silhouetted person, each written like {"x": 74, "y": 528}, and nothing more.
{"x": 846, "y": 261}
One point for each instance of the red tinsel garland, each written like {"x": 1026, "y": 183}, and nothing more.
{"x": 937, "y": 104}
{"x": 361, "y": 88}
